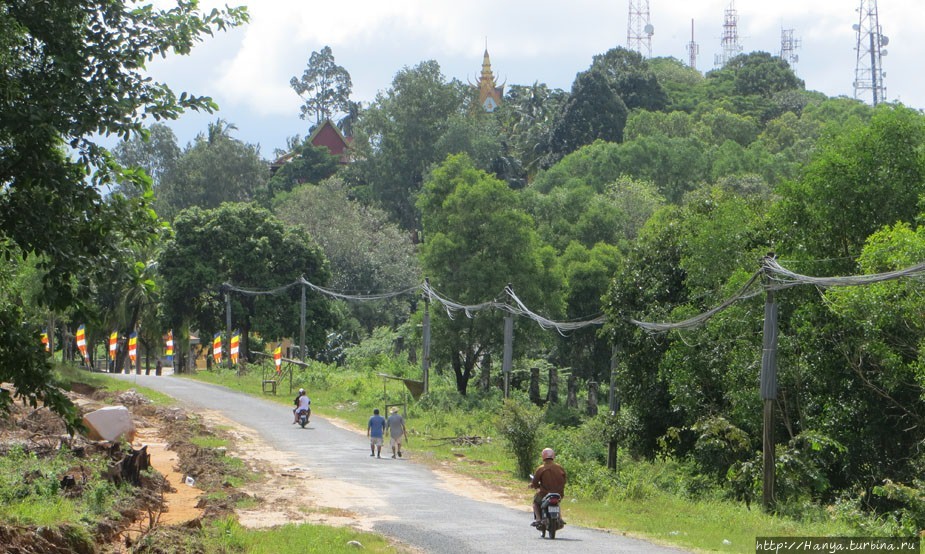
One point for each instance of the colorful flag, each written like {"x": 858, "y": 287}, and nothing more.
{"x": 217, "y": 348}
{"x": 82, "y": 341}
{"x": 169, "y": 352}
{"x": 235, "y": 341}
{"x": 45, "y": 340}
{"x": 278, "y": 357}
{"x": 133, "y": 347}
{"x": 113, "y": 344}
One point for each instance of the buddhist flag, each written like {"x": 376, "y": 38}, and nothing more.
{"x": 235, "y": 341}
{"x": 133, "y": 347}
{"x": 169, "y": 350}
{"x": 45, "y": 340}
{"x": 217, "y": 348}
{"x": 82, "y": 341}
{"x": 278, "y": 357}
{"x": 113, "y": 344}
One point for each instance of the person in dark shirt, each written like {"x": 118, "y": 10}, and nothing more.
{"x": 549, "y": 477}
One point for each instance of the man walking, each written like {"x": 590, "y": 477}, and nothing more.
{"x": 374, "y": 430}
{"x": 397, "y": 432}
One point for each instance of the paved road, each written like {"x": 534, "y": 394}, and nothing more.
{"x": 426, "y": 516}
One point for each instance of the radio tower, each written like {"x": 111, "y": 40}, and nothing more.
{"x": 638, "y": 29}
{"x": 730, "y": 42}
{"x": 693, "y": 48}
{"x": 788, "y": 46}
{"x": 868, "y": 72}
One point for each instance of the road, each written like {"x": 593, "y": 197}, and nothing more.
{"x": 418, "y": 510}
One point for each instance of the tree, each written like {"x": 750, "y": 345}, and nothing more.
{"x": 864, "y": 177}
{"x": 367, "y": 252}
{"x": 325, "y": 87}
{"x": 478, "y": 242}
{"x": 216, "y": 168}
{"x": 305, "y": 163}
{"x": 631, "y": 79}
{"x": 398, "y": 134}
{"x": 154, "y": 150}
{"x": 593, "y": 112}
{"x": 527, "y": 116}
{"x": 71, "y": 72}
{"x": 245, "y": 246}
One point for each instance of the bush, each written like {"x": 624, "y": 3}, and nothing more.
{"x": 519, "y": 424}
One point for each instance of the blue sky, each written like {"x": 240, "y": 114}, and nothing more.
{"x": 247, "y": 70}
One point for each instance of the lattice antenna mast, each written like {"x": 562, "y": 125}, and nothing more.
{"x": 639, "y": 29}
{"x": 693, "y": 48}
{"x": 730, "y": 42}
{"x": 788, "y": 48}
{"x": 868, "y": 71}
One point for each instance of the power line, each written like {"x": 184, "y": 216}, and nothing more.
{"x": 775, "y": 277}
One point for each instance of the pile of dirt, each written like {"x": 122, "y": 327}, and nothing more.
{"x": 40, "y": 432}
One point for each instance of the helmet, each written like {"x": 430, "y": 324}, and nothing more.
{"x": 301, "y": 391}
{"x": 548, "y": 454}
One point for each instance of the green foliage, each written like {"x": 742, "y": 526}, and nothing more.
{"x": 480, "y": 242}
{"x": 398, "y": 134}
{"x": 306, "y": 163}
{"x": 367, "y": 252}
{"x": 719, "y": 445}
{"x": 216, "y": 168}
{"x": 73, "y": 72}
{"x": 594, "y": 111}
{"x": 631, "y": 78}
{"x": 30, "y": 490}
{"x": 245, "y": 246}
{"x": 860, "y": 179}
{"x": 519, "y": 424}
{"x": 910, "y": 518}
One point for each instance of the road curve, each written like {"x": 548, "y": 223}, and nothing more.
{"x": 408, "y": 502}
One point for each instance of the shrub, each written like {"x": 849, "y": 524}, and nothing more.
{"x": 519, "y": 424}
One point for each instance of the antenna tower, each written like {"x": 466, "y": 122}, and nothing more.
{"x": 868, "y": 71}
{"x": 731, "y": 45}
{"x": 639, "y": 30}
{"x": 788, "y": 47}
{"x": 693, "y": 48}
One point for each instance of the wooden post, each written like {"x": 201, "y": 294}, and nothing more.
{"x": 535, "y": 386}
{"x": 592, "y": 398}
{"x": 553, "y": 396}
{"x": 572, "y": 399}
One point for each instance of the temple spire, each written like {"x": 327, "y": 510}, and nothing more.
{"x": 490, "y": 93}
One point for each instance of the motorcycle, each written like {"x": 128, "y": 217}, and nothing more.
{"x": 303, "y": 417}
{"x": 550, "y": 515}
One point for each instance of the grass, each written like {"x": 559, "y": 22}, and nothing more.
{"x": 227, "y": 536}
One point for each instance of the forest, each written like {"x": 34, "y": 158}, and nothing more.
{"x": 647, "y": 192}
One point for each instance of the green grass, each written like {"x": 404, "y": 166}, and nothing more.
{"x": 209, "y": 442}
{"x": 227, "y": 536}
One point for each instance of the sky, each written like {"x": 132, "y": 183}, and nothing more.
{"x": 247, "y": 70}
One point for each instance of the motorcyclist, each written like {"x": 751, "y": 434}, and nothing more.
{"x": 549, "y": 477}
{"x": 302, "y": 403}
